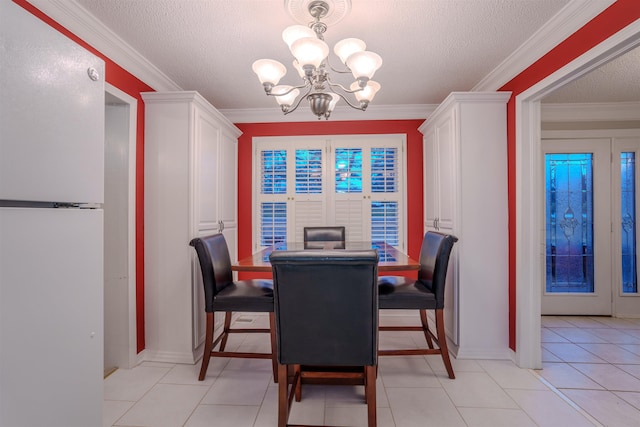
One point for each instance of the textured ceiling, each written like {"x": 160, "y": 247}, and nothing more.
{"x": 429, "y": 47}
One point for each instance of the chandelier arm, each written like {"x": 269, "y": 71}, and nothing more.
{"x": 291, "y": 110}
{"x": 346, "y": 71}
{"x": 342, "y": 87}
{"x": 289, "y": 91}
{"x": 344, "y": 98}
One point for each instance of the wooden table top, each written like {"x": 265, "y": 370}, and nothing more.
{"x": 391, "y": 259}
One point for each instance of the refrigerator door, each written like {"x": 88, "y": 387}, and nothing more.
{"x": 51, "y": 113}
{"x": 51, "y": 315}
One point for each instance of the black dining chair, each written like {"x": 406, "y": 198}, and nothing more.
{"x": 424, "y": 293}
{"x": 326, "y": 309}
{"x": 223, "y": 294}
{"x": 317, "y": 237}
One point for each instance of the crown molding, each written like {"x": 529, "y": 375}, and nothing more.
{"x": 570, "y": 19}
{"x": 374, "y": 112}
{"x": 601, "y": 111}
{"x": 84, "y": 25}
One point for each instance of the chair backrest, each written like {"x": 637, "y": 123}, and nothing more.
{"x": 323, "y": 234}
{"x": 434, "y": 262}
{"x": 215, "y": 264}
{"x": 326, "y": 307}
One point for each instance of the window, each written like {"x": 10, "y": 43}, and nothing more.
{"x": 355, "y": 181}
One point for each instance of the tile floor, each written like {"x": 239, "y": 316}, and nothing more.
{"x": 591, "y": 377}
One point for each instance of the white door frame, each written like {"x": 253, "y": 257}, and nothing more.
{"x": 529, "y": 189}
{"x": 132, "y": 355}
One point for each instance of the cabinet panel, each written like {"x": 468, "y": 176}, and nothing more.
{"x": 206, "y": 157}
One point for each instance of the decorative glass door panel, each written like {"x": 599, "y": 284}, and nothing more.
{"x": 569, "y": 231}
{"x": 577, "y": 209}
{"x": 626, "y": 299}
{"x": 628, "y": 244}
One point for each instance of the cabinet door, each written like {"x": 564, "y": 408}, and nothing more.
{"x": 431, "y": 182}
{"x": 207, "y": 146}
{"x": 227, "y": 181}
{"x": 447, "y": 173}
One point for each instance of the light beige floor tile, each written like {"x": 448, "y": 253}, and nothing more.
{"x": 577, "y": 335}
{"x": 508, "y": 375}
{"x": 547, "y": 356}
{"x": 222, "y": 416}
{"x": 631, "y": 369}
{"x": 606, "y": 407}
{"x": 609, "y": 376}
{"x": 165, "y": 405}
{"x": 235, "y": 387}
{"x": 612, "y": 353}
{"x": 569, "y": 352}
{"x": 489, "y": 417}
{"x": 547, "y": 335}
{"x": 633, "y": 348}
{"x": 132, "y": 384}
{"x": 355, "y": 416}
{"x": 554, "y": 322}
{"x": 477, "y": 390}
{"x": 406, "y": 371}
{"x": 112, "y": 410}
{"x": 563, "y": 375}
{"x": 311, "y": 409}
{"x": 619, "y": 323}
{"x": 585, "y": 321}
{"x": 459, "y": 365}
{"x": 268, "y": 413}
{"x": 188, "y": 374}
{"x": 547, "y": 409}
{"x": 614, "y": 336}
{"x": 631, "y": 397}
{"x": 423, "y": 407}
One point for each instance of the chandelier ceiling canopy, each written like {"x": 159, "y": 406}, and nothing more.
{"x": 311, "y": 54}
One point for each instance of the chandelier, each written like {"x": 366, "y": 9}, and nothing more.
{"x": 311, "y": 54}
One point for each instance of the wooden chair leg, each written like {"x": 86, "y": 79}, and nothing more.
{"x": 283, "y": 396}
{"x": 370, "y": 394}
{"x": 425, "y": 327}
{"x": 274, "y": 358}
{"x": 442, "y": 343}
{"x": 208, "y": 346}
{"x": 225, "y": 330}
{"x": 298, "y": 384}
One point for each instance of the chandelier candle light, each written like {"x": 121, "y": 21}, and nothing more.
{"x": 312, "y": 63}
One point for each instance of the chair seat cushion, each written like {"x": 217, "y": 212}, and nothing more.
{"x": 245, "y": 295}
{"x": 398, "y": 292}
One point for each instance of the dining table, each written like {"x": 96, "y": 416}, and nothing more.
{"x": 391, "y": 258}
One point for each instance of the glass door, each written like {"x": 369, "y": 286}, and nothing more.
{"x": 578, "y": 227}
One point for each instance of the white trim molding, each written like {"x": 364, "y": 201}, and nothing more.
{"x": 587, "y": 112}
{"x": 374, "y": 112}
{"x": 571, "y": 18}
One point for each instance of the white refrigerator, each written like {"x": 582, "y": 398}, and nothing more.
{"x": 51, "y": 232}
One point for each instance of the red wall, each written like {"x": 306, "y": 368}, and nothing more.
{"x": 126, "y": 82}
{"x": 414, "y": 168}
{"x": 616, "y": 17}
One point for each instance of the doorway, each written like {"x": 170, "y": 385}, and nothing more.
{"x": 528, "y": 170}
{"x": 120, "y": 349}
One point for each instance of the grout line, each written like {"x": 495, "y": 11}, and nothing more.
{"x": 566, "y": 399}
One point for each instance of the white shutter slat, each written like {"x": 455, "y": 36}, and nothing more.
{"x": 349, "y": 213}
